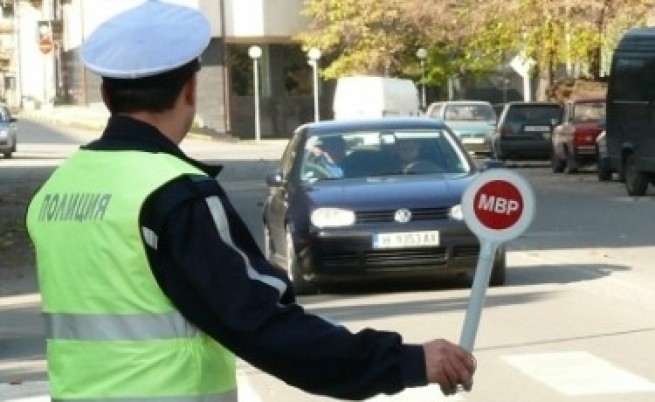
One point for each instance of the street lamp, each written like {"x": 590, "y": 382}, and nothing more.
{"x": 314, "y": 55}
{"x": 422, "y": 54}
{"x": 255, "y": 52}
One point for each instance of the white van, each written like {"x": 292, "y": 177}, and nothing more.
{"x": 370, "y": 96}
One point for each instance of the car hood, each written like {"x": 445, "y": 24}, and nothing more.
{"x": 424, "y": 191}
{"x": 470, "y": 127}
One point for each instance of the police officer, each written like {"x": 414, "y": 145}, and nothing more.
{"x": 151, "y": 283}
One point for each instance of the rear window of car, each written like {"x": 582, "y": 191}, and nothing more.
{"x": 533, "y": 114}
{"x": 469, "y": 112}
{"x": 588, "y": 112}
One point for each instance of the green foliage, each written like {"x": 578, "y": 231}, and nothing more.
{"x": 472, "y": 36}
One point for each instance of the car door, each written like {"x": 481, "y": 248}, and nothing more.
{"x": 278, "y": 198}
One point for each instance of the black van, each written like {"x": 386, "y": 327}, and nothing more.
{"x": 630, "y": 130}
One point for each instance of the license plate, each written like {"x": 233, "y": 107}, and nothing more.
{"x": 406, "y": 239}
{"x": 473, "y": 140}
{"x": 532, "y": 129}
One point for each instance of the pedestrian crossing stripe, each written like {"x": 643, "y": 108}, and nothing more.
{"x": 579, "y": 373}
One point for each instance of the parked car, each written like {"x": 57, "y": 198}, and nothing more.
{"x": 8, "y": 132}
{"x": 473, "y": 121}
{"x": 574, "y": 139}
{"x": 523, "y": 130}
{"x": 376, "y": 219}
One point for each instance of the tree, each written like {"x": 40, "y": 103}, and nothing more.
{"x": 466, "y": 38}
{"x": 359, "y": 36}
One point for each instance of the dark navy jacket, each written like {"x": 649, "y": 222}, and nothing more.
{"x": 223, "y": 284}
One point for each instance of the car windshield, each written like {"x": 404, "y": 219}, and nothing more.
{"x": 589, "y": 112}
{"x": 469, "y": 112}
{"x": 381, "y": 153}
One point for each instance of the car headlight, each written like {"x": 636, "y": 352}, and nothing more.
{"x": 456, "y": 212}
{"x": 332, "y": 217}
{"x": 4, "y": 133}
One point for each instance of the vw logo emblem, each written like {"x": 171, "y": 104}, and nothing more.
{"x": 402, "y": 215}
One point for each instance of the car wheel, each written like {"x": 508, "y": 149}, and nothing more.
{"x": 570, "y": 164}
{"x": 636, "y": 182}
{"x": 556, "y": 163}
{"x": 300, "y": 285}
{"x": 602, "y": 168}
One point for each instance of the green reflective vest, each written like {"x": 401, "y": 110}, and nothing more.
{"x": 111, "y": 332}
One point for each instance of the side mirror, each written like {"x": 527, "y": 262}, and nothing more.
{"x": 274, "y": 179}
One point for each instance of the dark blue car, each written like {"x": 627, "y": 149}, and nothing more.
{"x": 372, "y": 199}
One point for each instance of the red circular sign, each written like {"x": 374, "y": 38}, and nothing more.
{"x": 498, "y": 204}
{"x": 45, "y": 45}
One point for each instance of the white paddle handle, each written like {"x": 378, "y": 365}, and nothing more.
{"x": 478, "y": 291}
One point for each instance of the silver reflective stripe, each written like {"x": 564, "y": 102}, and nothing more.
{"x": 220, "y": 220}
{"x": 230, "y": 396}
{"x": 150, "y": 237}
{"x": 118, "y": 327}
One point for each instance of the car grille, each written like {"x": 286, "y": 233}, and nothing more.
{"x": 466, "y": 251}
{"x": 419, "y": 214}
{"x": 386, "y": 258}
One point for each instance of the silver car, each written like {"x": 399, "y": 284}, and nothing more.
{"x": 8, "y": 132}
{"x": 473, "y": 121}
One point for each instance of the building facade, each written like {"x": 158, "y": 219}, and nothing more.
{"x": 40, "y": 64}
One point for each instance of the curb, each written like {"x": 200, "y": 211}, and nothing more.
{"x": 98, "y": 122}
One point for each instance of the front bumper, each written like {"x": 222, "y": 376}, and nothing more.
{"x": 348, "y": 255}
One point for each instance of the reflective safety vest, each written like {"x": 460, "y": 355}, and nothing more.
{"x": 111, "y": 332}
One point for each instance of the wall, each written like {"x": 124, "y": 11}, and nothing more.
{"x": 273, "y": 19}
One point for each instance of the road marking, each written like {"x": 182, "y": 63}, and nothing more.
{"x": 579, "y": 373}
{"x": 431, "y": 393}
{"x": 19, "y": 300}
{"x": 32, "y": 391}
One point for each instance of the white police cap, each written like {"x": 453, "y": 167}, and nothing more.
{"x": 152, "y": 38}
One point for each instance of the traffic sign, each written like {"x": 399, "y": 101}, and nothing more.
{"x": 46, "y": 45}
{"x": 498, "y": 206}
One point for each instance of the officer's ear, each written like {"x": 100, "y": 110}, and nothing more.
{"x": 189, "y": 89}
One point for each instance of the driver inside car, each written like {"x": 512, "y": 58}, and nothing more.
{"x": 406, "y": 152}
{"x": 324, "y": 157}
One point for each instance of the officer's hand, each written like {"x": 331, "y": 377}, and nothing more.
{"x": 449, "y": 366}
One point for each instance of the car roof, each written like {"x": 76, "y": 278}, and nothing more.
{"x": 460, "y": 102}
{"x": 391, "y": 123}
{"x": 529, "y": 103}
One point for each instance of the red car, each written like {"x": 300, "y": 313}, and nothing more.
{"x": 574, "y": 138}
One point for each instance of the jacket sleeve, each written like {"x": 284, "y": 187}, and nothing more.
{"x": 210, "y": 266}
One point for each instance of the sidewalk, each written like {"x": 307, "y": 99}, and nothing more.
{"x": 94, "y": 116}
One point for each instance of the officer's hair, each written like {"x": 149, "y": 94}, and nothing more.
{"x": 155, "y": 94}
